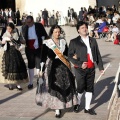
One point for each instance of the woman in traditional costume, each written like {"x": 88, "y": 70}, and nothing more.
{"x": 59, "y": 90}
{"x": 13, "y": 66}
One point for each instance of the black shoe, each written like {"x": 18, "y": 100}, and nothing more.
{"x": 30, "y": 86}
{"x": 10, "y": 87}
{"x": 90, "y": 111}
{"x": 58, "y": 115}
{"x": 77, "y": 108}
{"x": 19, "y": 88}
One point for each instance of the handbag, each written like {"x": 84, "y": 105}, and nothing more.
{"x": 105, "y": 29}
{"x": 39, "y": 91}
{"x": 118, "y": 37}
{"x": 116, "y": 42}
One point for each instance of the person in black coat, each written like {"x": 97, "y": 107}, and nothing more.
{"x": 11, "y": 14}
{"x": 69, "y": 12}
{"x": 2, "y": 17}
{"x": 18, "y": 17}
{"x": 2, "y": 32}
{"x": 45, "y": 17}
{"x": 81, "y": 14}
{"x": 32, "y": 36}
{"x": 87, "y": 53}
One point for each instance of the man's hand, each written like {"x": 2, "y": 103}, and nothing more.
{"x": 84, "y": 65}
{"x": 75, "y": 56}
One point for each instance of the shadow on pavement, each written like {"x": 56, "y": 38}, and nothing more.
{"x": 9, "y": 98}
{"x": 45, "y": 112}
{"x": 25, "y": 89}
{"x": 103, "y": 91}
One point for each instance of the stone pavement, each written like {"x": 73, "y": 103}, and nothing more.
{"x": 15, "y": 105}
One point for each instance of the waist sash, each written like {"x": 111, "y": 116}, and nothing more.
{"x": 31, "y": 43}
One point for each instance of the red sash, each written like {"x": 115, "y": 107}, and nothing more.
{"x": 90, "y": 64}
{"x": 31, "y": 43}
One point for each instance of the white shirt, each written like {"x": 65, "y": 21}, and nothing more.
{"x": 115, "y": 30}
{"x": 87, "y": 43}
{"x": 32, "y": 35}
{"x": 2, "y": 13}
{"x": 115, "y": 18}
{"x": 6, "y": 12}
{"x": 99, "y": 21}
{"x": 10, "y": 13}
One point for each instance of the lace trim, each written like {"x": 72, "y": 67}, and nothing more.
{"x": 60, "y": 97}
{"x": 15, "y": 76}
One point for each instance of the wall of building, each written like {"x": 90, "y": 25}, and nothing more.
{"x": 35, "y": 6}
{"x": 92, "y": 3}
{"x": 21, "y": 5}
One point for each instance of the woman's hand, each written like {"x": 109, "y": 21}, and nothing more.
{"x": 40, "y": 73}
{"x": 5, "y": 39}
{"x": 20, "y": 48}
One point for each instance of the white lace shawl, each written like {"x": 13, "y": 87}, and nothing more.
{"x": 50, "y": 44}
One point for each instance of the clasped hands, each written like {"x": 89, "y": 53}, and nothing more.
{"x": 84, "y": 65}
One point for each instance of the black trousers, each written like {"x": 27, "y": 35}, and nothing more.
{"x": 33, "y": 57}
{"x": 18, "y": 22}
{"x": 46, "y": 22}
{"x": 85, "y": 79}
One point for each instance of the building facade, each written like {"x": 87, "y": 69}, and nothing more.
{"x": 35, "y": 6}
{"x": 28, "y": 6}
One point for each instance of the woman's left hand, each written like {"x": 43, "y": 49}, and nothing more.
{"x": 40, "y": 73}
{"x": 20, "y": 48}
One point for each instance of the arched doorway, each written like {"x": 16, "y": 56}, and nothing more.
{"x": 8, "y": 4}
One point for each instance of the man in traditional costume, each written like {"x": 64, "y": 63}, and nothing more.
{"x": 33, "y": 34}
{"x": 87, "y": 52}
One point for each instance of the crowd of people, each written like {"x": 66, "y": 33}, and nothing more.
{"x": 52, "y": 57}
{"x": 48, "y": 18}
{"x": 7, "y": 14}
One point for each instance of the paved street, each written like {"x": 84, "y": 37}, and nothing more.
{"x": 15, "y": 105}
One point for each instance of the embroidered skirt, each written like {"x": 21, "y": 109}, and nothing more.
{"x": 58, "y": 89}
{"x": 13, "y": 67}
